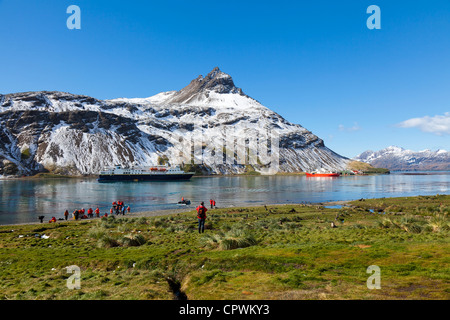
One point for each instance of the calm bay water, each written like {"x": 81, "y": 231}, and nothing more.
{"x": 21, "y": 201}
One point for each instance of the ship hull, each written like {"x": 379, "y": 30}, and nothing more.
{"x": 143, "y": 177}
{"x": 322, "y": 174}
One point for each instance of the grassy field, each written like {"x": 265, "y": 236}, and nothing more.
{"x": 278, "y": 252}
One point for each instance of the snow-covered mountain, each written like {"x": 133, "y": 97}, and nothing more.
{"x": 396, "y": 158}
{"x": 76, "y": 134}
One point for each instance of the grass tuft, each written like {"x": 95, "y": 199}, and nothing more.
{"x": 233, "y": 239}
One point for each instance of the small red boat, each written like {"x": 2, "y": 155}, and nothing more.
{"x": 314, "y": 174}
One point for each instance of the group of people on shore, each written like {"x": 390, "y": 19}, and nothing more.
{"x": 81, "y": 214}
{"x": 118, "y": 207}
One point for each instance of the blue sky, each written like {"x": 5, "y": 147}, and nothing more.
{"x": 314, "y": 62}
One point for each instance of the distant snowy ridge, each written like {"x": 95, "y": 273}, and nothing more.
{"x": 396, "y": 158}
{"x": 76, "y": 134}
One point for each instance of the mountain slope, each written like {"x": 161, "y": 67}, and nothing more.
{"x": 76, "y": 134}
{"x": 396, "y": 158}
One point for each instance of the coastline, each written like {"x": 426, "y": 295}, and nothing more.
{"x": 155, "y": 213}
{"x": 43, "y": 176}
{"x": 166, "y": 212}
{"x": 49, "y": 176}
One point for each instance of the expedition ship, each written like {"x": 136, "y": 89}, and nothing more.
{"x": 154, "y": 173}
{"x": 322, "y": 173}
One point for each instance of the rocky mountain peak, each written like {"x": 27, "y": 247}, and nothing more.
{"x": 220, "y": 82}
{"x": 216, "y": 73}
{"x": 199, "y": 88}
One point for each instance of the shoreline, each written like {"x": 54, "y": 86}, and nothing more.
{"x": 47, "y": 176}
{"x": 165, "y": 212}
{"x": 44, "y": 176}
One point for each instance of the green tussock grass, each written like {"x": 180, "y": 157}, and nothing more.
{"x": 282, "y": 252}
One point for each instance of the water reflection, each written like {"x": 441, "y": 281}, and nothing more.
{"x": 23, "y": 200}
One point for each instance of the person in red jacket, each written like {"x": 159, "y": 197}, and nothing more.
{"x": 214, "y": 203}
{"x": 90, "y": 213}
{"x": 97, "y": 212}
{"x": 211, "y": 202}
{"x": 201, "y": 215}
